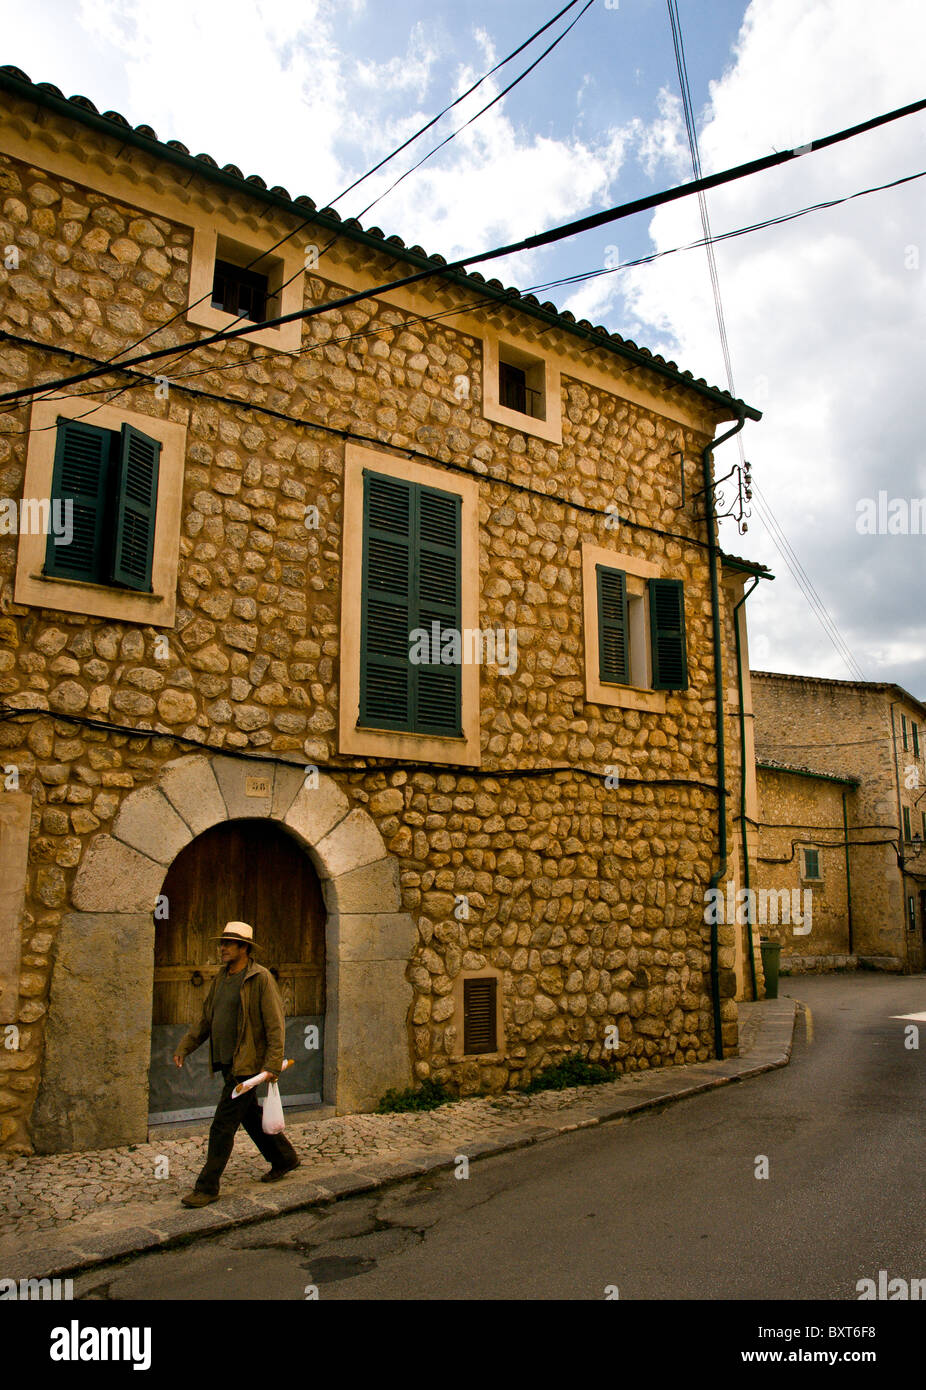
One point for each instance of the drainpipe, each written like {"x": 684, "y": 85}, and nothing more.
{"x": 712, "y": 560}
{"x": 845, "y": 831}
{"x": 739, "y": 685}
{"x": 901, "y": 856}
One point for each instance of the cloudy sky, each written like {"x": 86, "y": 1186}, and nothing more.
{"x": 824, "y": 314}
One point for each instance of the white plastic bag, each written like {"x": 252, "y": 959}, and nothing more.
{"x": 273, "y": 1122}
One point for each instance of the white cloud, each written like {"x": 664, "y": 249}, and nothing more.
{"x": 823, "y": 317}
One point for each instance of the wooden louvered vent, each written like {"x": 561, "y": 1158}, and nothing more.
{"x": 479, "y": 1015}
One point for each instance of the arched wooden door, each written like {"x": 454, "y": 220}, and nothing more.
{"x": 246, "y": 871}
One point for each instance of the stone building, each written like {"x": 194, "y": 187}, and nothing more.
{"x": 842, "y": 790}
{"x": 804, "y": 873}
{"x": 464, "y": 858}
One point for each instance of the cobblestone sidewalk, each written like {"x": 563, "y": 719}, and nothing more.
{"x": 66, "y": 1212}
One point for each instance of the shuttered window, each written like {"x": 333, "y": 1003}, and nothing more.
{"x": 667, "y": 631}
{"x": 906, "y": 823}
{"x": 916, "y": 740}
{"x": 811, "y": 863}
{"x": 411, "y": 583}
{"x": 613, "y": 634}
{"x": 479, "y": 1015}
{"x": 106, "y": 481}
{"x": 903, "y": 728}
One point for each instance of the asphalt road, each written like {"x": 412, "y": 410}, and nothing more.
{"x": 668, "y": 1205}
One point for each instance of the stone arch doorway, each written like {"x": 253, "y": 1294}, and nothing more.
{"x": 242, "y": 870}
{"x": 94, "y": 1088}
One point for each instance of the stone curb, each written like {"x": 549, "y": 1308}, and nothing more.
{"x": 770, "y": 1050}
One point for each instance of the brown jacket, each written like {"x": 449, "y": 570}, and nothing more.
{"x": 261, "y": 1024}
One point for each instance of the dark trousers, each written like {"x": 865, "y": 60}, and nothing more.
{"x": 276, "y": 1148}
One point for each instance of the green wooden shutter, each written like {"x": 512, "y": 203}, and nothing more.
{"x": 437, "y": 685}
{"x": 386, "y": 616}
{"x": 667, "y": 630}
{"x": 80, "y": 482}
{"x": 613, "y": 632}
{"x": 411, "y": 580}
{"x": 906, "y": 823}
{"x": 135, "y": 509}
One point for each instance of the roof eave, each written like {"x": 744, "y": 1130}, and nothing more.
{"x": 728, "y": 407}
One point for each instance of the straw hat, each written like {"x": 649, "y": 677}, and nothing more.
{"x": 240, "y": 932}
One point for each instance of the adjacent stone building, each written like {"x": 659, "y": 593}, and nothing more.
{"x": 389, "y": 629}
{"x": 843, "y": 800}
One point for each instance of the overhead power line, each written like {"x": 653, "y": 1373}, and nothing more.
{"x": 378, "y": 330}
{"x": 763, "y": 507}
{"x": 376, "y": 167}
{"x": 547, "y": 238}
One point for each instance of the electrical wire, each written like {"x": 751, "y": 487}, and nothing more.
{"x": 534, "y": 242}
{"x": 442, "y": 314}
{"x": 181, "y": 313}
{"x": 763, "y": 507}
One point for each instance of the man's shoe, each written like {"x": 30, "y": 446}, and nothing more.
{"x": 199, "y": 1199}
{"x": 275, "y": 1174}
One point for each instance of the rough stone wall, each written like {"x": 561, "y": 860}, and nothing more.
{"x": 796, "y": 810}
{"x": 587, "y": 900}
{"x": 846, "y": 730}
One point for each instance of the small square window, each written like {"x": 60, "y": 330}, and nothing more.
{"x": 480, "y": 1011}
{"x": 521, "y": 384}
{"x": 241, "y": 292}
{"x": 811, "y": 863}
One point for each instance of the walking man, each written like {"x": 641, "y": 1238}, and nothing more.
{"x": 244, "y": 1022}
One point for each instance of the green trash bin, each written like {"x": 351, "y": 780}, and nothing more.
{"x": 771, "y": 956}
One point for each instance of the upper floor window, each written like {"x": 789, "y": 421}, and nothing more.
{"x": 106, "y": 484}
{"x": 411, "y": 643}
{"x": 236, "y": 283}
{"x": 113, "y": 490}
{"x": 521, "y": 386}
{"x": 625, "y": 657}
{"x": 916, "y": 740}
{"x": 906, "y": 823}
{"x": 409, "y": 662}
{"x": 521, "y": 389}
{"x": 903, "y": 730}
{"x": 240, "y": 292}
{"x": 811, "y": 863}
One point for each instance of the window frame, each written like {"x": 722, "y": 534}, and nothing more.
{"x": 639, "y": 573}
{"x": 907, "y": 824}
{"x": 405, "y": 744}
{"x": 34, "y": 588}
{"x": 285, "y": 270}
{"x": 523, "y": 354}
